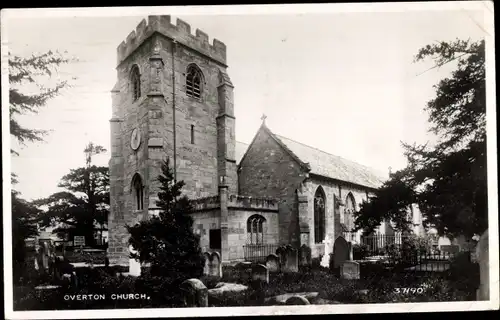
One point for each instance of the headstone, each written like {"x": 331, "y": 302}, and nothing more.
{"x": 291, "y": 260}
{"x": 482, "y": 253}
{"x": 325, "y": 261}
{"x": 66, "y": 279}
{"x": 134, "y": 265}
{"x": 260, "y": 273}
{"x": 206, "y": 267}
{"x": 243, "y": 270}
{"x": 297, "y": 300}
{"x": 194, "y": 293}
{"x": 272, "y": 263}
{"x": 350, "y": 270}
{"x": 45, "y": 255}
{"x": 74, "y": 280}
{"x": 213, "y": 264}
{"x": 350, "y": 251}
{"x": 305, "y": 256}
{"x": 340, "y": 252}
{"x": 281, "y": 253}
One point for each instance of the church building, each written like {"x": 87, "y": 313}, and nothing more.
{"x": 174, "y": 99}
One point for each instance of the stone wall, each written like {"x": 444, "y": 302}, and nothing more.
{"x": 238, "y": 229}
{"x": 269, "y": 171}
{"x": 207, "y": 217}
{"x": 331, "y": 188}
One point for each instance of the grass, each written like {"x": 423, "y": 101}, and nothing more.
{"x": 380, "y": 285}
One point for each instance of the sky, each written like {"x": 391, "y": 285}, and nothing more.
{"x": 344, "y": 83}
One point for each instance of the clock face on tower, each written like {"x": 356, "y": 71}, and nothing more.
{"x": 135, "y": 140}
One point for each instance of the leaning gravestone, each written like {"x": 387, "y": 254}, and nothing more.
{"x": 272, "y": 263}
{"x": 482, "y": 254}
{"x": 260, "y": 273}
{"x": 291, "y": 260}
{"x": 305, "y": 256}
{"x": 340, "y": 252}
{"x": 350, "y": 270}
{"x": 194, "y": 293}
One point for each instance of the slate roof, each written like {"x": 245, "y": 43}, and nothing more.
{"x": 324, "y": 164}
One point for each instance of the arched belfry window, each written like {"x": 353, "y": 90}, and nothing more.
{"x": 138, "y": 192}
{"x": 319, "y": 215}
{"x": 135, "y": 79}
{"x": 350, "y": 208}
{"x": 194, "y": 82}
{"x": 256, "y": 229}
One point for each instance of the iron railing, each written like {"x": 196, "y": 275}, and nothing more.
{"x": 378, "y": 243}
{"x": 259, "y": 252}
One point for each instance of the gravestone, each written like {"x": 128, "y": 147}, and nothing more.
{"x": 350, "y": 270}
{"x": 340, "y": 252}
{"x": 291, "y": 260}
{"x": 244, "y": 271}
{"x": 206, "y": 267}
{"x": 297, "y": 300}
{"x": 45, "y": 255}
{"x": 281, "y": 253}
{"x": 305, "y": 256}
{"x": 272, "y": 263}
{"x": 482, "y": 254}
{"x": 74, "y": 280}
{"x": 350, "y": 251}
{"x": 325, "y": 261}
{"x": 213, "y": 264}
{"x": 194, "y": 293}
{"x": 260, "y": 273}
{"x": 134, "y": 266}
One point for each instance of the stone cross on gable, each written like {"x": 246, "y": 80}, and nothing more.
{"x": 263, "y": 118}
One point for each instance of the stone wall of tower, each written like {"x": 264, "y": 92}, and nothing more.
{"x": 165, "y": 116}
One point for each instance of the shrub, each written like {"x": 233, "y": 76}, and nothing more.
{"x": 167, "y": 241}
{"x": 359, "y": 251}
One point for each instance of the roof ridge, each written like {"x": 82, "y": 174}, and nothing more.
{"x": 328, "y": 153}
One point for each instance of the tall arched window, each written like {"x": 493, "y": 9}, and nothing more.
{"x": 319, "y": 216}
{"x": 135, "y": 79}
{"x": 194, "y": 82}
{"x": 138, "y": 192}
{"x": 350, "y": 208}
{"x": 255, "y": 229}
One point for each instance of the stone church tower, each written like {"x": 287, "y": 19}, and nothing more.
{"x": 172, "y": 99}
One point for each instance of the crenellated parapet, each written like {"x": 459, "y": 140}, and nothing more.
{"x": 204, "y": 204}
{"x": 252, "y": 203}
{"x": 180, "y": 32}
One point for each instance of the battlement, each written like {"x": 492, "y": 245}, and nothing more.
{"x": 207, "y": 203}
{"x": 180, "y": 32}
{"x": 244, "y": 202}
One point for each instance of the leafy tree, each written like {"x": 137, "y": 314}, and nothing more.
{"x": 31, "y": 73}
{"x": 25, "y": 74}
{"x": 447, "y": 180}
{"x": 167, "y": 241}
{"x": 84, "y": 206}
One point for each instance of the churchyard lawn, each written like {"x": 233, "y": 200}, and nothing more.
{"x": 318, "y": 285}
